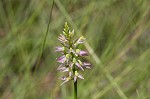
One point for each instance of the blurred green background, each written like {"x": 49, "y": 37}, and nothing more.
{"x": 118, "y": 40}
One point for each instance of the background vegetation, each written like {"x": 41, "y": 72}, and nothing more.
{"x": 118, "y": 39}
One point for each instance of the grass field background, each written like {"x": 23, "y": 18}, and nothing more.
{"x": 118, "y": 40}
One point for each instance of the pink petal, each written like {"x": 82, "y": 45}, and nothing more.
{"x": 80, "y": 76}
{"x": 77, "y": 64}
{"x": 75, "y": 78}
{"x": 59, "y": 49}
{"x": 83, "y": 53}
{"x": 86, "y": 65}
{"x": 61, "y": 68}
{"x": 61, "y": 59}
{"x": 65, "y": 70}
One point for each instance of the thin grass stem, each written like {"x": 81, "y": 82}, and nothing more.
{"x": 44, "y": 39}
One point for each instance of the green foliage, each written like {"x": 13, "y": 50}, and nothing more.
{"x": 118, "y": 40}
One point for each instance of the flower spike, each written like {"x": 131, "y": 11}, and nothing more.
{"x": 70, "y": 62}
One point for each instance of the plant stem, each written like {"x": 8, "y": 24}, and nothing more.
{"x": 75, "y": 89}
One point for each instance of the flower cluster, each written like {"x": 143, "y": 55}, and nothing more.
{"x": 69, "y": 60}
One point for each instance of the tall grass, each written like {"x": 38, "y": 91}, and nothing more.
{"x": 118, "y": 39}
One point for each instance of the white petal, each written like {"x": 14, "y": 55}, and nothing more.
{"x": 80, "y": 76}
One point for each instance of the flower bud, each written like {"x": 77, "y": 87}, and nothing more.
{"x": 79, "y": 41}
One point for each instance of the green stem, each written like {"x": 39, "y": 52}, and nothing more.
{"x": 75, "y": 89}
